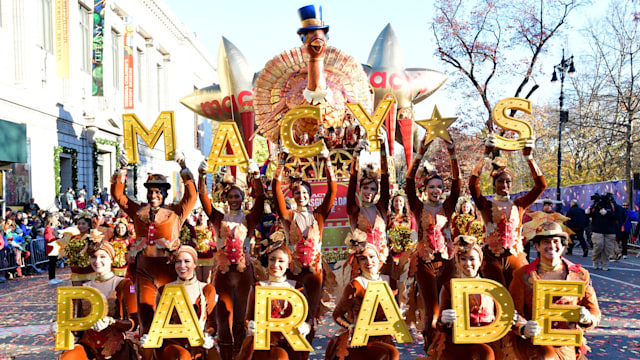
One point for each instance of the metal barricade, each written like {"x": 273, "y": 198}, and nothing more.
{"x": 38, "y": 255}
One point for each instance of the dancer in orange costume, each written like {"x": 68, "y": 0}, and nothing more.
{"x": 502, "y": 217}
{"x": 468, "y": 259}
{"x": 279, "y": 261}
{"x": 158, "y": 229}
{"x": 431, "y": 262}
{"x": 370, "y": 261}
{"x": 370, "y": 217}
{"x": 551, "y": 242}
{"x": 106, "y": 338}
{"x": 122, "y": 242}
{"x": 305, "y": 231}
{"x": 233, "y": 275}
{"x": 203, "y": 300}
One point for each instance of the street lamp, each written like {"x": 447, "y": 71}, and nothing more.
{"x": 565, "y": 66}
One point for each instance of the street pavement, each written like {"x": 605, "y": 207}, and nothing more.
{"x": 27, "y": 311}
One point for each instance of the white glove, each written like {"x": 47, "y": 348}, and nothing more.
{"x": 585, "y": 316}
{"x": 531, "y": 329}
{"x": 363, "y": 144}
{"x": 208, "y": 342}
{"x": 304, "y": 329}
{"x": 143, "y": 340}
{"x": 490, "y": 141}
{"x": 251, "y": 327}
{"x": 203, "y": 166}
{"x": 448, "y": 316}
{"x": 283, "y": 149}
{"x": 530, "y": 143}
{"x": 603, "y": 212}
{"x": 54, "y": 327}
{"x": 103, "y": 323}
{"x": 324, "y": 154}
{"x": 178, "y": 156}
{"x": 253, "y": 167}
{"x": 123, "y": 160}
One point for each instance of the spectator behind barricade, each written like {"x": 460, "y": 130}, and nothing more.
{"x": 51, "y": 237}
{"x": 104, "y": 196}
{"x": 92, "y": 203}
{"x": 26, "y": 228}
{"x": 15, "y": 242}
{"x": 82, "y": 192}
{"x": 3, "y": 253}
{"x": 69, "y": 198}
{"x": 32, "y": 208}
{"x": 81, "y": 203}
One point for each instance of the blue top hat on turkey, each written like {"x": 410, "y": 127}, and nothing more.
{"x": 311, "y": 18}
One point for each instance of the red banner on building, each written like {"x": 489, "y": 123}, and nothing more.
{"x": 128, "y": 63}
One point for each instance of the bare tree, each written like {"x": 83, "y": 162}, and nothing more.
{"x": 483, "y": 41}
{"x": 611, "y": 106}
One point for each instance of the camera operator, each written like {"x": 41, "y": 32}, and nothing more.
{"x": 603, "y": 215}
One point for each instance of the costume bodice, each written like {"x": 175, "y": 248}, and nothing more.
{"x": 307, "y": 251}
{"x": 230, "y": 241}
{"x": 376, "y": 232}
{"x": 434, "y": 237}
{"x": 503, "y": 229}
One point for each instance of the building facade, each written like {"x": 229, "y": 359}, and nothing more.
{"x": 72, "y": 68}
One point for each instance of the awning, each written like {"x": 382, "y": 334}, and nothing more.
{"x": 13, "y": 143}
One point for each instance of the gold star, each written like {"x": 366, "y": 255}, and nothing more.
{"x": 437, "y": 126}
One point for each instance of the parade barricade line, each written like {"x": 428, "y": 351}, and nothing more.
{"x": 38, "y": 255}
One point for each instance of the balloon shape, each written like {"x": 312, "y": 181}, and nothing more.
{"x": 387, "y": 74}
{"x": 232, "y": 98}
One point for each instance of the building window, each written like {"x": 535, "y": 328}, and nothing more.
{"x": 44, "y": 31}
{"x": 139, "y": 75}
{"x": 85, "y": 42}
{"x": 115, "y": 52}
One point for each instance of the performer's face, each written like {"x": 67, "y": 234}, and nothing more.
{"x": 101, "y": 262}
{"x": 368, "y": 191}
{"x": 155, "y": 198}
{"x": 398, "y": 203}
{"x": 278, "y": 263}
{"x": 369, "y": 262}
{"x": 550, "y": 249}
{"x": 466, "y": 208}
{"x": 301, "y": 196}
{"x": 185, "y": 266}
{"x": 83, "y": 225}
{"x": 469, "y": 263}
{"x": 121, "y": 229}
{"x": 502, "y": 184}
{"x": 234, "y": 198}
{"x": 435, "y": 187}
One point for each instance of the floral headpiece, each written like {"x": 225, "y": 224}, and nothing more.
{"x": 369, "y": 175}
{"x": 499, "y": 165}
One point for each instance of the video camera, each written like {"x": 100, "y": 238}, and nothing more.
{"x": 602, "y": 201}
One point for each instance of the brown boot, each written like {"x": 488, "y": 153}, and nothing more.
{"x": 18, "y": 271}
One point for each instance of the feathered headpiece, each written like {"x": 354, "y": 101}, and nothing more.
{"x": 356, "y": 241}
{"x": 121, "y": 220}
{"x": 499, "y": 167}
{"x": 465, "y": 243}
{"x": 95, "y": 242}
{"x": 296, "y": 178}
{"x": 427, "y": 172}
{"x": 84, "y": 215}
{"x": 368, "y": 175}
{"x": 228, "y": 183}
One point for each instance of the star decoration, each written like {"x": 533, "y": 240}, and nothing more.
{"x": 437, "y": 126}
